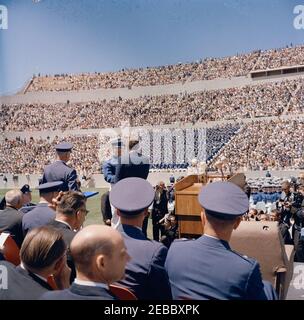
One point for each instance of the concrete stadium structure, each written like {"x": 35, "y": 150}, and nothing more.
{"x": 134, "y": 92}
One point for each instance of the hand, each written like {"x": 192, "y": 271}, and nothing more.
{"x": 108, "y": 222}
{"x": 55, "y": 201}
{"x": 62, "y": 276}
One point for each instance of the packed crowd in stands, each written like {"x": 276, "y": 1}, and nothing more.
{"x": 259, "y": 145}
{"x": 225, "y": 104}
{"x": 207, "y": 69}
{"x": 297, "y": 101}
{"x": 274, "y": 58}
{"x": 276, "y": 144}
{"x": 29, "y": 157}
{"x": 167, "y": 149}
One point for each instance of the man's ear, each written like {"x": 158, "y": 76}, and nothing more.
{"x": 237, "y": 223}
{"x": 59, "y": 264}
{"x": 100, "y": 262}
{"x": 78, "y": 215}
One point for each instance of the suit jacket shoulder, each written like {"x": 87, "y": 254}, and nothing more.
{"x": 22, "y": 285}
{"x": 145, "y": 272}
{"x": 11, "y": 222}
{"x": 80, "y": 292}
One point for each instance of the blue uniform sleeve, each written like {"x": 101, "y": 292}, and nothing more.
{"x": 109, "y": 172}
{"x": 158, "y": 278}
{"x": 72, "y": 181}
{"x": 256, "y": 290}
{"x": 118, "y": 173}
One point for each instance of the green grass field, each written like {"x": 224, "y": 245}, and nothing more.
{"x": 93, "y": 204}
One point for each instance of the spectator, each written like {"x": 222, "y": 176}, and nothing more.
{"x": 42, "y": 255}
{"x": 11, "y": 217}
{"x": 100, "y": 258}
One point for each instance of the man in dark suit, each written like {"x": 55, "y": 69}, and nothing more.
{"x": 145, "y": 273}
{"x": 60, "y": 171}
{"x": 109, "y": 171}
{"x": 42, "y": 255}
{"x": 11, "y": 217}
{"x": 109, "y": 166}
{"x": 106, "y": 210}
{"x": 100, "y": 258}
{"x": 133, "y": 164}
{"x": 71, "y": 212}
{"x": 42, "y": 214}
{"x": 207, "y": 268}
{"x": 159, "y": 209}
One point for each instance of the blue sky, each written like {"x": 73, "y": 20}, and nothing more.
{"x": 71, "y": 36}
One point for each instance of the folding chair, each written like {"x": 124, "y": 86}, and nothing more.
{"x": 9, "y": 248}
{"x": 122, "y": 293}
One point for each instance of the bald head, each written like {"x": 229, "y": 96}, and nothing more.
{"x": 94, "y": 237}
{"x": 14, "y": 199}
{"x": 94, "y": 248}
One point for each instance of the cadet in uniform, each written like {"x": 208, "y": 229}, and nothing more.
{"x": 27, "y": 205}
{"x": 145, "y": 276}
{"x": 207, "y": 268}
{"x": 60, "y": 171}
{"x": 109, "y": 173}
{"x": 42, "y": 214}
{"x": 27, "y": 198}
{"x": 109, "y": 166}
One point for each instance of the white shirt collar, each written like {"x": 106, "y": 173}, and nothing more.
{"x": 207, "y": 235}
{"x": 64, "y": 223}
{"x": 37, "y": 275}
{"x": 91, "y": 284}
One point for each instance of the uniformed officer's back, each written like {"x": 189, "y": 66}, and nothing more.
{"x": 145, "y": 276}
{"x": 42, "y": 214}
{"x": 207, "y": 268}
{"x": 210, "y": 270}
{"x": 60, "y": 171}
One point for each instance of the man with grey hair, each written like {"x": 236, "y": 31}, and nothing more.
{"x": 11, "y": 217}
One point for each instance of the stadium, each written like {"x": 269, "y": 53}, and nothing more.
{"x": 217, "y": 116}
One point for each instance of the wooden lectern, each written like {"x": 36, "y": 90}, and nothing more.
{"x": 187, "y": 207}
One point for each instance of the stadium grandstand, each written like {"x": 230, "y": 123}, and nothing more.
{"x": 185, "y": 116}
{"x": 230, "y": 109}
{"x": 151, "y": 150}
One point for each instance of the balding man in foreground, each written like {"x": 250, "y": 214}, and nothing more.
{"x": 207, "y": 268}
{"x": 100, "y": 256}
{"x": 11, "y": 217}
